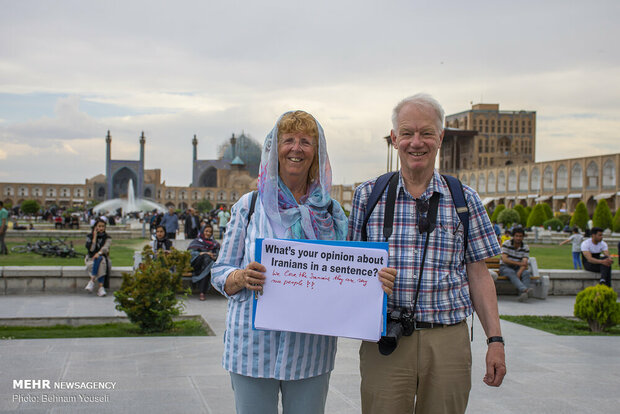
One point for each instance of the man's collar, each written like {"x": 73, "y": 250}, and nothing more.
{"x": 435, "y": 185}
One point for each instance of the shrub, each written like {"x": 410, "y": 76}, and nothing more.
{"x": 507, "y": 217}
{"x": 580, "y": 216}
{"x": 153, "y": 293}
{"x": 498, "y": 209}
{"x": 564, "y": 218}
{"x": 547, "y": 210}
{"x": 602, "y": 215}
{"x": 522, "y": 214}
{"x": 537, "y": 217}
{"x": 616, "y": 222}
{"x": 599, "y": 307}
{"x": 555, "y": 224}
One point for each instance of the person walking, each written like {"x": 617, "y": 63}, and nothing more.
{"x": 576, "y": 239}
{"x": 4, "y": 225}
{"x": 170, "y": 221}
{"x": 223, "y": 216}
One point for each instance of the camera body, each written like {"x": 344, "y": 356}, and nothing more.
{"x": 400, "y": 322}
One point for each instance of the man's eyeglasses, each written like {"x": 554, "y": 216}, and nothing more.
{"x": 424, "y": 225}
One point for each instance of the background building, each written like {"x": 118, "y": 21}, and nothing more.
{"x": 221, "y": 182}
{"x": 487, "y": 137}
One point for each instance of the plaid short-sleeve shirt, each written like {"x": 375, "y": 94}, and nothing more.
{"x": 444, "y": 291}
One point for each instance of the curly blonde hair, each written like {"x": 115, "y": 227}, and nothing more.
{"x": 300, "y": 121}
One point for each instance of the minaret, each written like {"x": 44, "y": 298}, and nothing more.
{"x": 140, "y": 189}
{"x": 194, "y": 162}
{"x": 195, "y": 145}
{"x": 233, "y": 142}
{"x": 108, "y": 166}
{"x": 142, "y": 141}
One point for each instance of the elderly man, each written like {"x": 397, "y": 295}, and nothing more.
{"x": 439, "y": 282}
{"x": 170, "y": 221}
{"x": 192, "y": 224}
{"x": 595, "y": 256}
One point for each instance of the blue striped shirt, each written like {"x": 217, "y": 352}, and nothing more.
{"x": 262, "y": 353}
{"x": 444, "y": 291}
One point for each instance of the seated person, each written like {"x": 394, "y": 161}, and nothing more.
{"x": 161, "y": 242}
{"x": 17, "y": 226}
{"x": 97, "y": 261}
{"x": 595, "y": 256}
{"x": 506, "y": 236}
{"x": 514, "y": 263}
{"x": 204, "y": 250}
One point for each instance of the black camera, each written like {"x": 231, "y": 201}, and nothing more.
{"x": 399, "y": 323}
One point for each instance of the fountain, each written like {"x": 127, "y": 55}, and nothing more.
{"x": 129, "y": 205}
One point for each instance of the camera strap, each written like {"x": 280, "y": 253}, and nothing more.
{"x": 432, "y": 218}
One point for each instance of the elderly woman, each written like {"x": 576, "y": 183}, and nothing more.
{"x": 97, "y": 258}
{"x": 293, "y": 203}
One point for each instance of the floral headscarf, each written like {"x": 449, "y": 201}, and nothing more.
{"x": 308, "y": 219}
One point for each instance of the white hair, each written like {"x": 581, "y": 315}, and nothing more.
{"x": 423, "y": 100}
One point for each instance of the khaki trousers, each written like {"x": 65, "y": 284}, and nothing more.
{"x": 430, "y": 371}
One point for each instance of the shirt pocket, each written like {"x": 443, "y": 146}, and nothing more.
{"x": 448, "y": 249}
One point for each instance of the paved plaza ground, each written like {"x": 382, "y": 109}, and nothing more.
{"x": 546, "y": 373}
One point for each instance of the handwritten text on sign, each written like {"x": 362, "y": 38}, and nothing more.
{"x": 321, "y": 288}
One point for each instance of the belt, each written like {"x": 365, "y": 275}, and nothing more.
{"x": 417, "y": 325}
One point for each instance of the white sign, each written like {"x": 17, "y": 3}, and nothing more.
{"x": 321, "y": 287}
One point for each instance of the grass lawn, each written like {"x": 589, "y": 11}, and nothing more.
{"x": 121, "y": 253}
{"x": 559, "y": 325}
{"x": 181, "y": 328}
{"x": 553, "y": 256}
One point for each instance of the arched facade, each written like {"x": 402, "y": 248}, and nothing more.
{"x": 562, "y": 180}
{"x": 576, "y": 176}
{"x": 561, "y": 184}
{"x": 523, "y": 180}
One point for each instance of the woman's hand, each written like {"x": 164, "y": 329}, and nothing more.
{"x": 251, "y": 278}
{"x": 387, "y": 276}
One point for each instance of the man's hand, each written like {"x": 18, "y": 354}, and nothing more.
{"x": 496, "y": 365}
{"x": 607, "y": 261}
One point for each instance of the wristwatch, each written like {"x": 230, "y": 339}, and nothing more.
{"x": 495, "y": 339}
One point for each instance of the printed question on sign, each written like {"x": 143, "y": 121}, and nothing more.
{"x": 329, "y": 288}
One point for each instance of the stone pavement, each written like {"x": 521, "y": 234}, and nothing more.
{"x": 546, "y": 373}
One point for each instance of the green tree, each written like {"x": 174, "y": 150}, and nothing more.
{"x": 602, "y": 215}
{"x": 508, "y": 217}
{"x": 580, "y": 216}
{"x": 538, "y": 217}
{"x": 496, "y": 212}
{"x": 548, "y": 212}
{"x": 30, "y": 207}
{"x": 616, "y": 222}
{"x": 522, "y": 214}
{"x": 204, "y": 206}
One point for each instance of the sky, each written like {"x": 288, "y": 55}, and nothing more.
{"x": 72, "y": 70}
